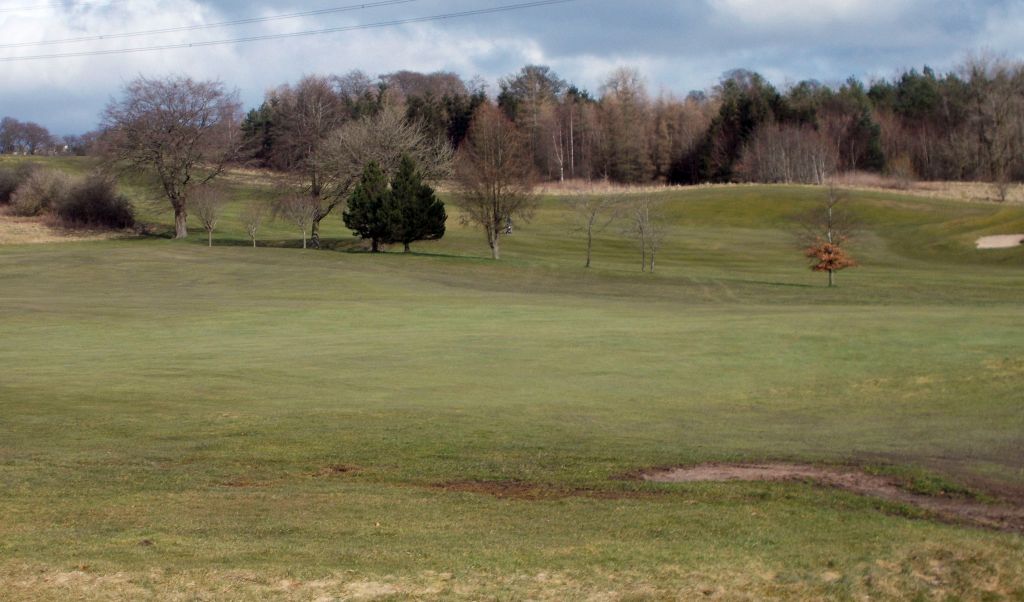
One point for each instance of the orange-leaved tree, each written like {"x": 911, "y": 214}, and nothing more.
{"x": 827, "y": 229}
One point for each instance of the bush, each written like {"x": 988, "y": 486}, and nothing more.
{"x": 11, "y": 178}
{"x": 93, "y": 201}
{"x": 40, "y": 192}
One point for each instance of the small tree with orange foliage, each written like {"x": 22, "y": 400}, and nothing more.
{"x": 827, "y": 229}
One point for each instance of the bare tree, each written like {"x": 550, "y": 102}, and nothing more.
{"x": 298, "y": 209}
{"x": 996, "y": 87}
{"x": 592, "y": 214}
{"x": 646, "y": 226}
{"x": 825, "y": 230}
{"x": 305, "y": 116}
{"x": 495, "y": 175}
{"x": 252, "y": 218}
{"x": 208, "y": 205}
{"x": 184, "y": 130}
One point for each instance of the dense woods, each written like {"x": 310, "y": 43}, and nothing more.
{"x": 966, "y": 124}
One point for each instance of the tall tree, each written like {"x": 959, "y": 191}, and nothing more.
{"x": 184, "y": 130}
{"x": 495, "y": 175}
{"x": 625, "y": 119}
{"x": 303, "y": 118}
{"x": 530, "y": 99}
{"x": 413, "y": 210}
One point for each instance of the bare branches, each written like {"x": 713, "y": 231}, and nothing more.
{"x": 208, "y": 204}
{"x": 647, "y": 226}
{"x": 253, "y": 217}
{"x": 184, "y": 130}
{"x": 592, "y": 215}
{"x": 300, "y": 210}
{"x": 495, "y": 175}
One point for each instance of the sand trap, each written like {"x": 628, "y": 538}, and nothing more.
{"x": 1004, "y": 241}
{"x": 1004, "y": 517}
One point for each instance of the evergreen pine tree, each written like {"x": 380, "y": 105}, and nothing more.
{"x": 367, "y": 212}
{"x": 414, "y": 211}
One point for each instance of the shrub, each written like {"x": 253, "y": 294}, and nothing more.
{"x": 93, "y": 201}
{"x": 40, "y": 192}
{"x": 11, "y": 178}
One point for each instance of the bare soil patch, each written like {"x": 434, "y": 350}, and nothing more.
{"x": 1000, "y": 516}
{"x": 1004, "y": 241}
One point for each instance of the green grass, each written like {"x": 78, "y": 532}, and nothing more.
{"x": 188, "y": 397}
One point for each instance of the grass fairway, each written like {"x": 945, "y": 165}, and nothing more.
{"x": 179, "y": 422}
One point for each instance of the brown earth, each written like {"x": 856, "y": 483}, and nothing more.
{"x": 1003, "y": 516}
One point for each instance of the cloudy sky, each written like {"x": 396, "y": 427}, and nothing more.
{"x": 679, "y": 45}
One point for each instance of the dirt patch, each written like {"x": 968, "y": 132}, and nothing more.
{"x": 1001, "y": 516}
{"x": 335, "y": 470}
{"x": 1005, "y": 241}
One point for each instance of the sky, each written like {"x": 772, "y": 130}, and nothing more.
{"x": 678, "y": 45}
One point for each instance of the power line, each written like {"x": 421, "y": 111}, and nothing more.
{"x": 236, "y": 22}
{"x": 296, "y": 34}
{"x": 14, "y": 9}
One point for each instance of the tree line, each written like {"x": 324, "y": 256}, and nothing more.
{"x": 967, "y": 124}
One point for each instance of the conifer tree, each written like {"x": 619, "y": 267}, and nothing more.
{"x": 366, "y": 214}
{"x": 414, "y": 211}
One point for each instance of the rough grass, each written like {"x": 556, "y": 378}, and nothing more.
{"x": 172, "y": 416}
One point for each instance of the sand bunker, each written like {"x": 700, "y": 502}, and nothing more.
{"x": 1004, "y": 517}
{"x": 1004, "y": 241}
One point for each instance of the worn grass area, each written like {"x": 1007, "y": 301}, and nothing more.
{"x": 181, "y": 422}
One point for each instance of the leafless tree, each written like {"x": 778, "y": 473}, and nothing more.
{"x": 495, "y": 175}
{"x": 647, "y": 227}
{"x": 185, "y": 130}
{"x": 592, "y": 214}
{"x": 305, "y": 116}
{"x": 252, "y": 218}
{"x": 996, "y": 86}
{"x": 298, "y": 209}
{"x": 788, "y": 154}
{"x": 208, "y": 205}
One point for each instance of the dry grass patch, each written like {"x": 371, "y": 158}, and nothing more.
{"x": 937, "y": 572}
{"x": 36, "y": 230}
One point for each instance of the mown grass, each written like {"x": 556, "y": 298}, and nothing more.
{"x": 167, "y": 411}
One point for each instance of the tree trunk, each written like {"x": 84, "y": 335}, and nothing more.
{"x": 495, "y": 245}
{"x": 303, "y": 239}
{"x": 831, "y": 278}
{"x": 643, "y": 254}
{"x": 374, "y": 245}
{"x": 590, "y": 245}
{"x": 652, "y": 260}
{"x": 180, "y": 222}
{"x": 407, "y": 249}
{"x": 314, "y": 237}
{"x": 254, "y": 242}
{"x": 209, "y": 238}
